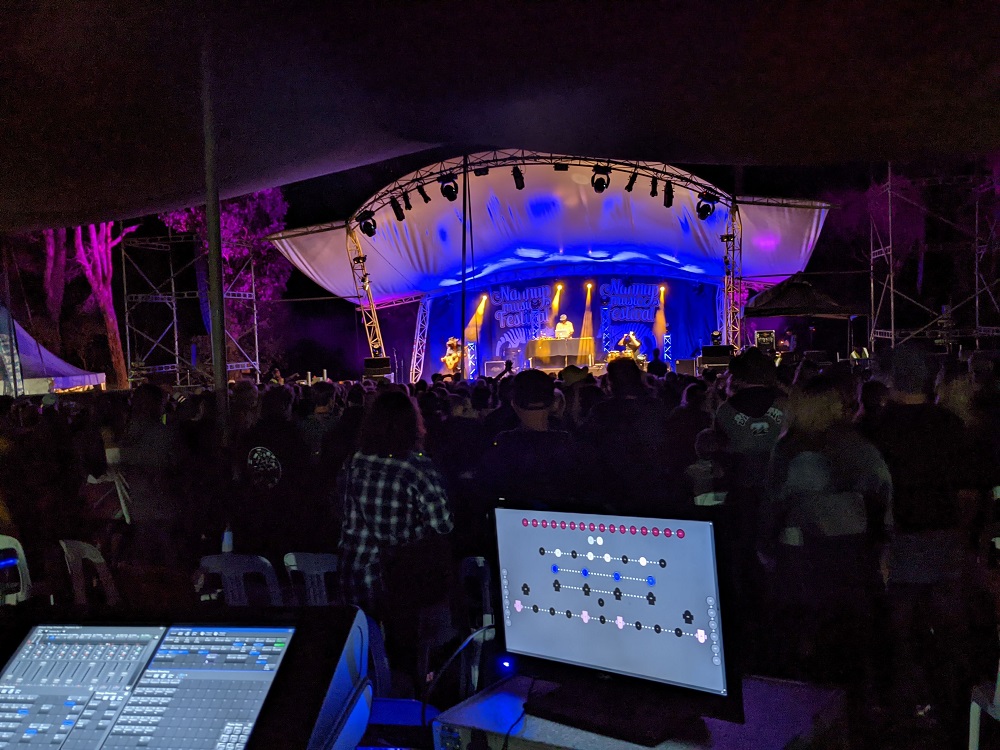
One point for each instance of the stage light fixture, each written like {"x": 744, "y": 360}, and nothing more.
{"x": 518, "y": 178}
{"x": 668, "y": 194}
{"x": 423, "y": 194}
{"x": 449, "y": 187}
{"x": 397, "y": 209}
{"x": 481, "y": 171}
{"x": 663, "y": 289}
{"x": 558, "y": 287}
{"x": 706, "y": 204}
{"x": 601, "y": 179}
{"x": 589, "y": 285}
{"x": 631, "y": 182}
{"x": 406, "y": 201}
{"x": 652, "y": 189}
{"x": 560, "y": 167}
{"x": 367, "y": 223}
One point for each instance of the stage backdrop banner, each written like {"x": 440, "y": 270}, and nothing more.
{"x": 501, "y": 319}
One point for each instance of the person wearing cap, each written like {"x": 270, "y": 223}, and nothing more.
{"x": 533, "y": 462}
{"x": 564, "y": 328}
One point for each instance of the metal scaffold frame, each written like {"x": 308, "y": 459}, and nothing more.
{"x": 884, "y": 290}
{"x": 160, "y": 342}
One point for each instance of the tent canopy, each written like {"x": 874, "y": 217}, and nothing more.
{"x": 42, "y": 371}
{"x": 102, "y": 116}
{"x": 796, "y": 297}
{"x": 556, "y": 224}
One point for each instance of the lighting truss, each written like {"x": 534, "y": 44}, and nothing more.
{"x": 362, "y": 285}
{"x": 732, "y": 323}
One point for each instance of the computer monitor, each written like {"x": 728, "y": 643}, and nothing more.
{"x": 82, "y": 686}
{"x": 619, "y": 605}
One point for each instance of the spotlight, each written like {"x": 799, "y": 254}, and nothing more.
{"x": 706, "y": 204}
{"x": 397, "y": 209}
{"x": 589, "y": 285}
{"x": 423, "y": 194}
{"x": 481, "y": 171}
{"x": 716, "y": 338}
{"x": 601, "y": 179}
{"x": 485, "y": 297}
{"x": 560, "y": 167}
{"x": 366, "y": 221}
{"x": 518, "y": 178}
{"x": 558, "y": 287}
{"x": 631, "y": 182}
{"x": 668, "y": 194}
{"x": 652, "y": 189}
{"x": 663, "y": 289}
{"x": 406, "y": 200}
{"x": 449, "y": 187}
{"x": 359, "y": 260}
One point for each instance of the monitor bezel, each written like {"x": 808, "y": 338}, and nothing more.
{"x": 293, "y": 703}
{"x": 691, "y": 701}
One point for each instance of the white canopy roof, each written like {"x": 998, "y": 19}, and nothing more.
{"x": 555, "y": 224}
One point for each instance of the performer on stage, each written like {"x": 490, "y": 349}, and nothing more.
{"x": 453, "y": 356}
{"x": 564, "y": 329}
{"x": 629, "y": 344}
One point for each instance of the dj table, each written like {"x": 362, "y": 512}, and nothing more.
{"x": 560, "y": 352}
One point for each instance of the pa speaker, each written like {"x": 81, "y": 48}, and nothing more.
{"x": 377, "y": 366}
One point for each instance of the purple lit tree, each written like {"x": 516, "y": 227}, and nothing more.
{"x": 245, "y": 222}
{"x": 93, "y": 244}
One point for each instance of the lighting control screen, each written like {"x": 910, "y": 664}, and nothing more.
{"x": 635, "y": 596}
{"x": 111, "y": 688}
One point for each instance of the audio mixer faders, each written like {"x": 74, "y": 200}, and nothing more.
{"x": 112, "y": 688}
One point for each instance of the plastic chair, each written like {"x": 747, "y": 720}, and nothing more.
{"x": 314, "y": 567}
{"x": 234, "y": 568}
{"x": 75, "y": 553}
{"x": 9, "y": 542}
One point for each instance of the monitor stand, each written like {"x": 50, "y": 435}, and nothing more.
{"x": 642, "y": 717}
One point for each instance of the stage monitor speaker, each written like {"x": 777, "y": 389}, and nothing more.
{"x": 377, "y": 366}
{"x": 494, "y": 367}
{"x": 764, "y": 340}
{"x": 685, "y": 367}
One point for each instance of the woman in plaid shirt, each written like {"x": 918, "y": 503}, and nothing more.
{"x": 393, "y": 496}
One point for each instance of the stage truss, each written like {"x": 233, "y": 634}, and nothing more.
{"x": 732, "y": 283}
{"x": 152, "y": 326}
{"x": 884, "y": 288}
{"x": 420, "y": 339}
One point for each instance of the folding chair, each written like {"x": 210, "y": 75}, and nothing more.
{"x": 75, "y": 553}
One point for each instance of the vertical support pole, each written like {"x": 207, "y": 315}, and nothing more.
{"x": 892, "y": 269}
{"x": 128, "y": 316}
{"x": 977, "y": 255}
{"x": 871, "y": 285}
{"x": 216, "y": 297}
{"x": 256, "y": 339}
{"x": 465, "y": 242}
{"x": 173, "y": 312}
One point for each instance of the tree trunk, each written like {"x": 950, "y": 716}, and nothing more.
{"x": 119, "y": 368}
{"x": 54, "y": 280}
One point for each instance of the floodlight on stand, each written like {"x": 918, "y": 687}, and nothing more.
{"x": 367, "y": 223}
{"x": 406, "y": 201}
{"x": 397, "y": 209}
{"x": 423, "y": 194}
{"x": 668, "y": 194}
{"x": 449, "y": 187}
{"x": 601, "y": 179}
{"x": 518, "y": 178}
{"x": 652, "y": 189}
{"x": 631, "y": 182}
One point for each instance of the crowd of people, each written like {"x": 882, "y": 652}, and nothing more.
{"x": 858, "y": 502}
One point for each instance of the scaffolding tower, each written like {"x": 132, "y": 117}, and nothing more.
{"x": 885, "y": 290}
{"x": 152, "y": 299}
